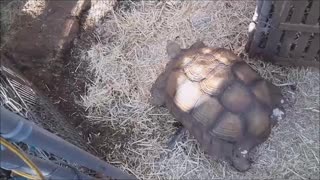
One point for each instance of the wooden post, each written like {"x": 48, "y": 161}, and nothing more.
{"x": 263, "y": 15}
{"x": 253, "y": 24}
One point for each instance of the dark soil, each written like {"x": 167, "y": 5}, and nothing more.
{"x": 64, "y": 81}
{"x": 65, "y": 91}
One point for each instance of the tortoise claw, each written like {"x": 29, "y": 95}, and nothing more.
{"x": 179, "y": 135}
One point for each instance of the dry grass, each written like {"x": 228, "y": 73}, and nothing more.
{"x": 98, "y": 10}
{"x": 125, "y": 60}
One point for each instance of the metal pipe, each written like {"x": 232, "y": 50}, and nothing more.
{"x": 16, "y": 128}
{"x": 10, "y": 161}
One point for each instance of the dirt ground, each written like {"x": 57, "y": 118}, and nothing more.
{"x": 109, "y": 71}
{"x": 62, "y": 85}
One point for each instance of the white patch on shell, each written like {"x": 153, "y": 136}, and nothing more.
{"x": 282, "y": 101}
{"x": 277, "y": 113}
{"x": 206, "y": 50}
{"x": 244, "y": 152}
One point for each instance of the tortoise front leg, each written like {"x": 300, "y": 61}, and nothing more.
{"x": 158, "y": 90}
{"x": 179, "y": 135}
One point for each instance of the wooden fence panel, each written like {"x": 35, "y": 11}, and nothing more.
{"x": 293, "y": 37}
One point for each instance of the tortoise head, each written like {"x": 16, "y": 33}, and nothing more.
{"x": 174, "y": 49}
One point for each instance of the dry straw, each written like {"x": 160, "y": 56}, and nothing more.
{"x": 128, "y": 55}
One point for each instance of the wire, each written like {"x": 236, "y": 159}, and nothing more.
{"x": 26, "y": 175}
{"x": 23, "y": 157}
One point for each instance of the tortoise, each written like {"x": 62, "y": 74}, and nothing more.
{"x": 224, "y": 103}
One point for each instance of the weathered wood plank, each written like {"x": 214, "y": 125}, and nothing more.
{"x": 298, "y": 12}
{"x": 300, "y": 27}
{"x": 314, "y": 13}
{"x": 286, "y": 44}
{"x": 314, "y": 48}
{"x": 301, "y": 45}
{"x": 296, "y": 62}
{"x": 279, "y": 15}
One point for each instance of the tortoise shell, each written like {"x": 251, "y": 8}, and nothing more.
{"x": 219, "y": 98}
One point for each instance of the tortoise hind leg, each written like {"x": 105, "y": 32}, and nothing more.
{"x": 240, "y": 155}
{"x": 240, "y": 159}
{"x": 277, "y": 100}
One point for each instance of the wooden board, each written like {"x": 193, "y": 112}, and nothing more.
{"x": 299, "y": 8}
{"x": 281, "y": 10}
{"x": 314, "y": 48}
{"x": 301, "y": 44}
{"x": 314, "y": 13}
{"x": 296, "y": 62}
{"x": 299, "y": 27}
{"x": 286, "y": 44}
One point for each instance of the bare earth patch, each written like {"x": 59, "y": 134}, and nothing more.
{"x": 128, "y": 55}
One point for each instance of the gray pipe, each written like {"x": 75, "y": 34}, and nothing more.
{"x": 49, "y": 170}
{"x": 18, "y": 129}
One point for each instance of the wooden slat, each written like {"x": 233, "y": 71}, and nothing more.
{"x": 300, "y": 27}
{"x": 287, "y": 41}
{"x": 296, "y": 62}
{"x": 279, "y": 15}
{"x": 301, "y": 44}
{"x": 314, "y": 48}
{"x": 298, "y": 12}
{"x": 285, "y": 10}
{"x": 314, "y": 13}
